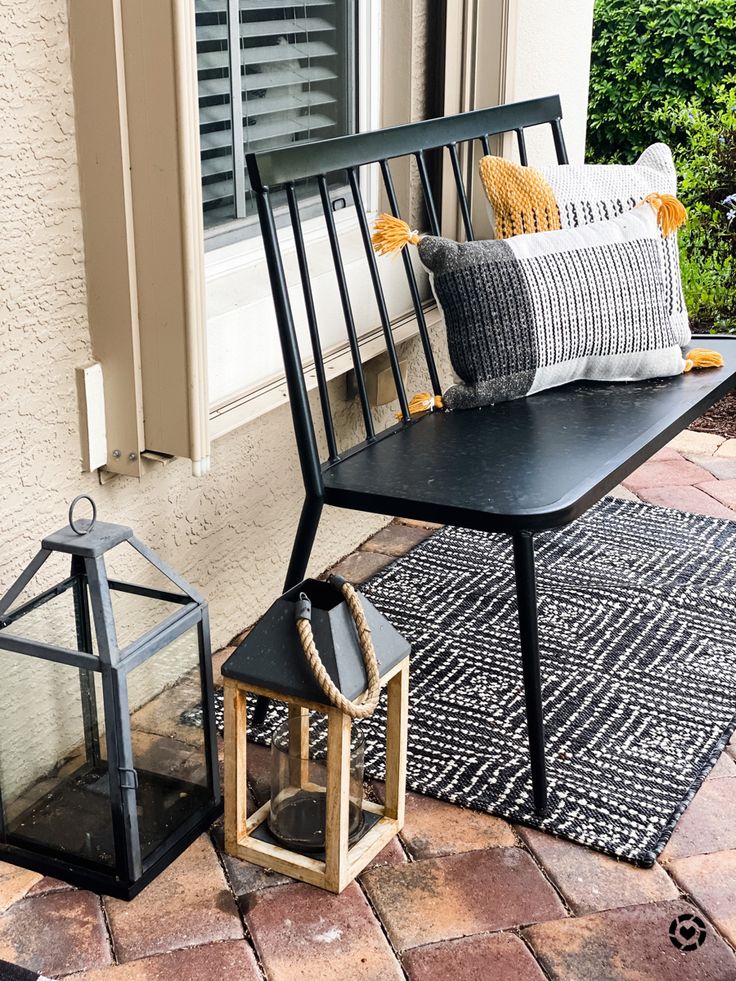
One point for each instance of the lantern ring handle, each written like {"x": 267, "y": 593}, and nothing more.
{"x": 74, "y": 527}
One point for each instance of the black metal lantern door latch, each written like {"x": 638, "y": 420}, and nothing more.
{"x": 100, "y": 782}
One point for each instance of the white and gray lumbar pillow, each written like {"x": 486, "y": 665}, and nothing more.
{"x": 529, "y": 199}
{"x": 535, "y": 311}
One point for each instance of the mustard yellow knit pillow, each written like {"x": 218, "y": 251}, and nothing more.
{"x": 521, "y": 198}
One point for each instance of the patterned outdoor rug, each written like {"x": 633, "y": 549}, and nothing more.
{"x": 637, "y": 617}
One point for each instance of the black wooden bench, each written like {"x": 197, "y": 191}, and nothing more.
{"x": 517, "y": 467}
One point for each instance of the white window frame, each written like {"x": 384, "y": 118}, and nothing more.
{"x": 135, "y": 85}
{"x": 234, "y": 271}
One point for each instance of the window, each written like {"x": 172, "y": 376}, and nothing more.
{"x": 270, "y": 73}
{"x": 188, "y": 344}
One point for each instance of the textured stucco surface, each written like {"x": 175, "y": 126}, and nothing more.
{"x": 552, "y": 55}
{"x": 230, "y": 532}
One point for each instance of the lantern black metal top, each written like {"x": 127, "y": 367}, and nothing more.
{"x": 101, "y": 782}
{"x": 271, "y": 656}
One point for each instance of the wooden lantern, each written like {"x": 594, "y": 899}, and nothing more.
{"x": 271, "y": 663}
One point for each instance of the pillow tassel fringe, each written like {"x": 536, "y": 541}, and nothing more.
{"x": 391, "y": 234}
{"x": 671, "y": 213}
{"x": 702, "y": 357}
{"x": 423, "y": 402}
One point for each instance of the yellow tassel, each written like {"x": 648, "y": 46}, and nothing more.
{"x": 423, "y": 402}
{"x": 671, "y": 213}
{"x": 392, "y": 234}
{"x": 701, "y": 357}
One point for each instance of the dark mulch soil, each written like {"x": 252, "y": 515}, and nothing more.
{"x": 721, "y": 419}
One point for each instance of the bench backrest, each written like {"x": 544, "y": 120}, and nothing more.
{"x": 282, "y": 169}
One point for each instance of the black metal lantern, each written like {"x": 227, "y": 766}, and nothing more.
{"x": 102, "y": 783}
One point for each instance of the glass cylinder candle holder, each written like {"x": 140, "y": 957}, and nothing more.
{"x": 298, "y": 814}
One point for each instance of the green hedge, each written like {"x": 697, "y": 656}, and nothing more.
{"x": 666, "y": 70}
{"x": 646, "y": 55}
{"x": 706, "y": 163}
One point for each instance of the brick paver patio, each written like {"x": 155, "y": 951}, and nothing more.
{"x": 462, "y": 895}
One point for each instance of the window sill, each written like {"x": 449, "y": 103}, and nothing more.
{"x": 245, "y": 364}
{"x": 248, "y": 405}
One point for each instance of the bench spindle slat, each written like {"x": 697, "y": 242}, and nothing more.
{"x": 560, "y": 148}
{"x": 434, "y": 223}
{"x": 413, "y": 287}
{"x": 300, "y": 411}
{"x": 347, "y": 309}
{"x": 521, "y": 144}
{"x": 378, "y": 291}
{"x": 319, "y": 366}
{"x": 462, "y": 196}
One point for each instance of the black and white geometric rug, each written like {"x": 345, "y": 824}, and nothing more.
{"x": 637, "y": 621}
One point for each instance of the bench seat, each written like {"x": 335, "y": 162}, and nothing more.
{"x": 537, "y": 462}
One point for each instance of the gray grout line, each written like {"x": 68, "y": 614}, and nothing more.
{"x": 379, "y": 921}
{"x": 545, "y": 873}
{"x": 687, "y": 897}
{"x": 108, "y": 928}
{"x": 246, "y": 932}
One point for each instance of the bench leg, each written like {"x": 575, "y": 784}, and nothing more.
{"x": 300, "y": 553}
{"x": 303, "y": 542}
{"x": 526, "y": 593}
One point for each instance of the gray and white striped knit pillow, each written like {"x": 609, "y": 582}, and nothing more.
{"x": 535, "y": 311}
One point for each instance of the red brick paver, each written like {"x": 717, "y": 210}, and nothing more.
{"x": 189, "y": 904}
{"x": 722, "y": 490}
{"x": 397, "y": 539}
{"x": 230, "y": 961}
{"x": 56, "y": 934}
{"x": 14, "y": 884}
{"x": 666, "y": 473}
{"x": 497, "y": 956}
{"x": 475, "y": 892}
{"x": 685, "y": 498}
{"x": 631, "y": 944}
{"x": 708, "y": 824}
{"x": 590, "y": 881}
{"x": 434, "y": 828}
{"x": 711, "y": 881}
{"x": 307, "y": 933}
{"x": 359, "y": 566}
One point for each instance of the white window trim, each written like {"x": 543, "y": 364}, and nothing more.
{"x": 231, "y": 268}
{"x": 135, "y": 86}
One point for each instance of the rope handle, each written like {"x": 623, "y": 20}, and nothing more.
{"x": 359, "y": 709}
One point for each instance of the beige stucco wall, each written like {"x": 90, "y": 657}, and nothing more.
{"x": 552, "y": 55}
{"x": 230, "y": 533}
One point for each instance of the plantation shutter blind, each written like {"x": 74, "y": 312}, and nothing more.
{"x": 270, "y": 73}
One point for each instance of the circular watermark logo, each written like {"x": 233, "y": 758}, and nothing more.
{"x": 687, "y": 932}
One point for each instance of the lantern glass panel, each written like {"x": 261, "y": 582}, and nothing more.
{"x": 53, "y": 769}
{"x": 298, "y": 811}
{"x": 169, "y": 747}
{"x": 134, "y": 613}
{"x": 52, "y": 621}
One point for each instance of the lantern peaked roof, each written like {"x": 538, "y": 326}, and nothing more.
{"x": 96, "y": 538}
{"x": 87, "y": 542}
{"x": 271, "y": 656}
